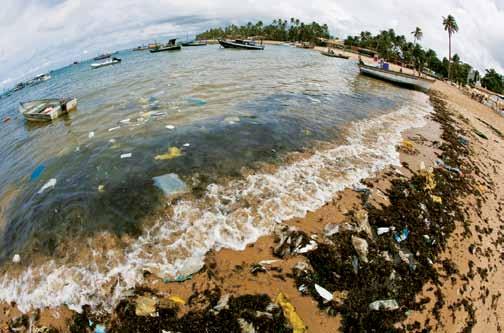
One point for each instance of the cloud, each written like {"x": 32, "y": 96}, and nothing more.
{"x": 41, "y": 34}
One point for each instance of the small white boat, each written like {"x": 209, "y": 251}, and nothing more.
{"x": 109, "y": 62}
{"x": 47, "y": 109}
{"x": 398, "y": 78}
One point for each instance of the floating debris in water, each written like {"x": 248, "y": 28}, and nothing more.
{"x": 16, "y": 259}
{"x": 232, "y": 120}
{"x": 127, "y": 155}
{"x": 112, "y": 140}
{"x": 125, "y": 121}
{"x": 37, "y": 172}
{"x": 91, "y": 135}
{"x": 173, "y": 152}
{"x": 114, "y": 129}
{"x": 101, "y": 188}
{"x": 187, "y": 145}
{"x": 170, "y": 184}
{"x": 50, "y": 184}
{"x": 196, "y": 101}
{"x": 170, "y": 127}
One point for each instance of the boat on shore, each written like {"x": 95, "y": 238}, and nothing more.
{"x": 402, "y": 79}
{"x": 334, "y": 55}
{"x": 43, "y": 110}
{"x": 240, "y": 44}
{"x": 103, "y": 56}
{"x": 109, "y": 62}
{"x": 194, "y": 43}
{"x": 170, "y": 46}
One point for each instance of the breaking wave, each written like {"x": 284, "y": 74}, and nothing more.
{"x": 228, "y": 216}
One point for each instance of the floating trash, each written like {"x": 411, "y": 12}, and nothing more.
{"x": 170, "y": 184}
{"x": 112, "y": 140}
{"x": 125, "y": 121}
{"x": 114, "y": 129}
{"x": 37, "y": 172}
{"x": 50, "y": 184}
{"x": 187, "y": 145}
{"x": 196, "y": 101}
{"x": 101, "y": 188}
{"x": 170, "y": 127}
{"x": 232, "y": 120}
{"x": 127, "y": 155}
{"x": 91, "y": 135}
{"x": 173, "y": 152}
{"x": 16, "y": 259}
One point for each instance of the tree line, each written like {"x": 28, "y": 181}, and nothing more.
{"x": 279, "y": 30}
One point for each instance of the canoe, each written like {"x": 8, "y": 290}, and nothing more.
{"x": 47, "y": 109}
{"x": 334, "y": 55}
{"x": 240, "y": 44}
{"x": 402, "y": 79}
{"x": 112, "y": 61}
{"x": 166, "y": 48}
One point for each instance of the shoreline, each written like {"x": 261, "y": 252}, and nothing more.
{"x": 222, "y": 270}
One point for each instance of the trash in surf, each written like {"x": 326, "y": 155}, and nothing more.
{"x": 170, "y": 127}
{"x": 173, "y": 152}
{"x": 232, "y": 120}
{"x": 196, "y": 101}
{"x": 170, "y": 184}
{"x": 127, "y": 155}
{"x": 37, "y": 172}
{"x": 50, "y": 184}
{"x": 91, "y": 135}
{"x": 114, "y": 129}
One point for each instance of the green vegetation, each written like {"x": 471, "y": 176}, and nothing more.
{"x": 280, "y": 30}
{"x": 493, "y": 81}
{"x": 451, "y": 26}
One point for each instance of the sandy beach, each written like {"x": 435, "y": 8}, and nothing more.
{"x": 427, "y": 236}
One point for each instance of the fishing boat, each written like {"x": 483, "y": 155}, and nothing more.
{"x": 194, "y": 43}
{"x": 47, "y": 109}
{"x": 241, "y": 44}
{"x": 334, "y": 55}
{"x": 103, "y": 56}
{"x": 109, "y": 62}
{"x": 170, "y": 46}
{"x": 402, "y": 79}
{"x": 140, "y": 48}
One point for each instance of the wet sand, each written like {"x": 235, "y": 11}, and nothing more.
{"x": 465, "y": 297}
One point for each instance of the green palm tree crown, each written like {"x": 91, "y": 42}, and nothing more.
{"x": 417, "y": 34}
{"x": 450, "y": 24}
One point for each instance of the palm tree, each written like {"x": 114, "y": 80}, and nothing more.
{"x": 451, "y": 26}
{"x": 417, "y": 34}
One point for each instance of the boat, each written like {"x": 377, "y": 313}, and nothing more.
{"x": 402, "y": 79}
{"x": 240, "y": 44}
{"x": 47, "y": 109}
{"x": 103, "y": 56}
{"x": 194, "y": 43}
{"x": 170, "y": 46}
{"x": 334, "y": 55}
{"x": 140, "y": 48}
{"x": 109, "y": 62}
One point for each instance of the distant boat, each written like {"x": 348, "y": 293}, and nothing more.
{"x": 141, "y": 48}
{"x": 194, "y": 43}
{"x": 38, "y": 79}
{"x": 109, "y": 62}
{"x": 103, "y": 56}
{"x": 241, "y": 44}
{"x": 170, "y": 46}
{"x": 402, "y": 79}
{"x": 334, "y": 55}
{"x": 47, "y": 109}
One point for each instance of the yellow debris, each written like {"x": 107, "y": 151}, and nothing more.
{"x": 101, "y": 188}
{"x": 145, "y": 306}
{"x": 436, "y": 199}
{"x": 177, "y": 300}
{"x": 407, "y": 147}
{"x": 430, "y": 183}
{"x": 290, "y": 313}
{"x": 173, "y": 152}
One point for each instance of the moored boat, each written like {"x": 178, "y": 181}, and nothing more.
{"x": 47, "y": 109}
{"x": 103, "y": 56}
{"x": 170, "y": 46}
{"x": 241, "y": 44}
{"x": 398, "y": 78}
{"x": 194, "y": 43}
{"x": 334, "y": 55}
{"x": 109, "y": 62}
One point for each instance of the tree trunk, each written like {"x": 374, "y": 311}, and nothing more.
{"x": 449, "y": 56}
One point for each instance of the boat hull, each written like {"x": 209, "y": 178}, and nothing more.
{"x": 47, "y": 110}
{"x": 333, "y": 55}
{"x": 164, "y": 49}
{"x": 405, "y": 80}
{"x": 233, "y": 45}
{"x": 95, "y": 66}
{"x": 193, "y": 44}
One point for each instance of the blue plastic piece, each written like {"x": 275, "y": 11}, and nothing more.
{"x": 37, "y": 172}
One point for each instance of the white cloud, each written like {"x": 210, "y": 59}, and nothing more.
{"x": 56, "y": 32}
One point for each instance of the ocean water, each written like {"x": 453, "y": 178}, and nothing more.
{"x": 260, "y": 137}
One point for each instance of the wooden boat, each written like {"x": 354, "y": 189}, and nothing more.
{"x": 109, "y": 62}
{"x": 170, "y": 46}
{"x": 334, "y": 55}
{"x": 103, "y": 56}
{"x": 47, "y": 109}
{"x": 240, "y": 44}
{"x": 194, "y": 43}
{"x": 402, "y": 79}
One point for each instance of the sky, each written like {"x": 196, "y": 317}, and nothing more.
{"x": 39, "y": 35}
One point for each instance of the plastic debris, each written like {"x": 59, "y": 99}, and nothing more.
{"x": 245, "y": 326}
{"x": 355, "y": 264}
{"x": 222, "y": 304}
{"x": 125, "y": 121}
{"x": 91, "y": 135}
{"x": 170, "y": 184}
{"x": 388, "y": 305}
{"x": 101, "y": 188}
{"x": 173, "y": 152}
{"x": 268, "y": 262}
{"x": 232, "y": 120}
{"x": 16, "y": 259}
{"x": 437, "y": 199}
{"x": 127, "y": 155}
{"x": 361, "y": 247}
{"x": 308, "y": 247}
{"x": 112, "y": 140}
{"x": 361, "y": 217}
{"x": 50, "y": 184}
{"x": 186, "y": 144}
{"x": 257, "y": 268}
{"x": 442, "y": 164}
{"x": 408, "y": 147}
{"x": 114, "y": 129}
{"x": 196, "y": 101}
{"x": 170, "y": 127}
{"x": 290, "y": 313}
{"x": 463, "y": 140}
{"x": 430, "y": 183}
{"x": 145, "y": 306}
{"x": 37, "y": 172}
{"x": 401, "y": 236}
{"x": 382, "y": 230}
{"x": 177, "y": 300}
{"x": 480, "y": 134}
{"x": 100, "y": 329}
{"x": 324, "y": 293}
{"x": 178, "y": 278}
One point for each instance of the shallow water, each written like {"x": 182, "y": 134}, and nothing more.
{"x": 236, "y": 110}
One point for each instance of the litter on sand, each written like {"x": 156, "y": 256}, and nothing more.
{"x": 173, "y": 152}
{"x": 37, "y": 172}
{"x": 324, "y": 293}
{"x": 177, "y": 300}
{"x": 170, "y": 184}
{"x": 50, "y": 184}
{"x": 127, "y": 155}
{"x": 311, "y": 246}
{"x": 16, "y": 259}
{"x": 145, "y": 306}
{"x": 401, "y": 236}
{"x": 290, "y": 313}
{"x": 178, "y": 278}
{"x": 437, "y": 199}
{"x": 100, "y": 329}
{"x": 389, "y": 305}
